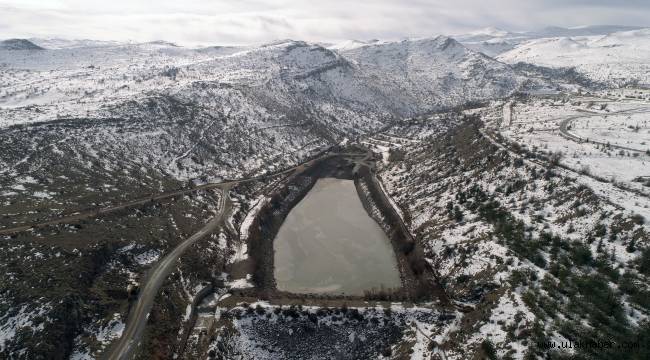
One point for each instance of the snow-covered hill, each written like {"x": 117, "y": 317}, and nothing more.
{"x": 616, "y": 58}
{"x": 75, "y": 80}
{"x": 130, "y": 115}
{"x": 615, "y": 55}
{"x": 494, "y": 41}
{"x": 433, "y": 73}
{"x": 18, "y": 44}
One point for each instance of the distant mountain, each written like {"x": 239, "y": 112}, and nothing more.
{"x": 162, "y": 43}
{"x": 434, "y": 72}
{"x": 493, "y": 41}
{"x": 618, "y": 58}
{"x": 556, "y": 31}
{"x": 491, "y": 47}
{"x": 491, "y": 31}
{"x": 613, "y": 54}
{"x": 486, "y": 34}
{"x": 350, "y": 44}
{"x": 18, "y": 44}
{"x": 57, "y": 43}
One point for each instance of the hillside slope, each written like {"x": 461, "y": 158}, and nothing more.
{"x": 18, "y": 44}
{"x": 616, "y": 58}
{"x": 89, "y": 126}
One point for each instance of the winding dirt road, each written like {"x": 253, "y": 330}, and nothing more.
{"x": 135, "y": 324}
{"x": 137, "y": 319}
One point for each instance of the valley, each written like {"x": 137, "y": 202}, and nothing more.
{"x": 436, "y": 198}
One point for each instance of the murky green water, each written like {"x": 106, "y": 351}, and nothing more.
{"x": 329, "y": 244}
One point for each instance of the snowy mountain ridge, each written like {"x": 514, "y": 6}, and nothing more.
{"x": 220, "y": 112}
{"x": 100, "y": 75}
{"x": 605, "y": 53}
{"x": 616, "y": 58}
{"x": 18, "y": 44}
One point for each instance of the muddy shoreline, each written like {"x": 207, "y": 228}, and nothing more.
{"x": 418, "y": 278}
{"x": 268, "y": 221}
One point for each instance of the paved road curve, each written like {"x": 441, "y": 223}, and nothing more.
{"x": 566, "y": 123}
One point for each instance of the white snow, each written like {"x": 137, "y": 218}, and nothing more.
{"x": 614, "y": 58}
{"x": 147, "y": 258}
{"x": 21, "y": 321}
{"x": 111, "y": 331}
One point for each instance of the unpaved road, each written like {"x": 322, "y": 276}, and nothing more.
{"x": 144, "y": 200}
{"x": 138, "y": 315}
{"x": 565, "y": 124}
{"x": 135, "y": 324}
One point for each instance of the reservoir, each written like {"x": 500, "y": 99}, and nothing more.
{"x": 329, "y": 245}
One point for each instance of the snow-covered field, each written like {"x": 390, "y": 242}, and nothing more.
{"x": 630, "y": 130}
{"x": 445, "y": 185}
{"x": 609, "y": 139}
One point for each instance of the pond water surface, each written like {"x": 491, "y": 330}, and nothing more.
{"x": 329, "y": 245}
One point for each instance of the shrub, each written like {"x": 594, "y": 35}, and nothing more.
{"x": 291, "y": 311}
{"x": 488, "y": 349}
{"x": 407, "y": 247}
{"x": 518, "y": 277}
{"x": 519, "y": 162}
{"x": 644, "y": 262}
{"x": 458, "y": 214}
{"x": 259, "y": 310}
{"x": 387, "y": 352}
{"x": 638, "y": 219}
{"x": 354, "y": 314}
{"x": 538, "y": 259}
{"x": 600, "y": 230}
{"x": 581, "y": 254}
{"x": 555, "y": 158}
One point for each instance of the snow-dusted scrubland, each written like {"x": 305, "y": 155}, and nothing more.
{"x": 607, "y": 139}
{"x": 117, "y": 120}
{"x": 264, "y": 331}
{"x": 519, "y": 161}
{"x": 66, "y": 288}
{"x": 509, "y": 231}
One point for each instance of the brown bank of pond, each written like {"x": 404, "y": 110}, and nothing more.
{"x": 329, "y": 245}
